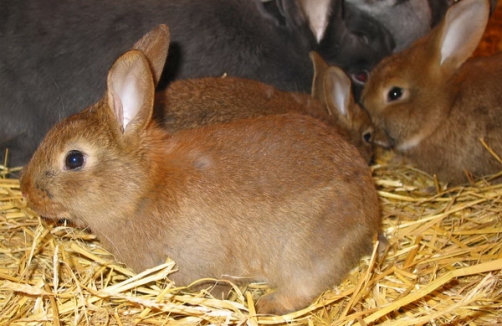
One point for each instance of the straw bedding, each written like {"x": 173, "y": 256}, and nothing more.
{"x": 442, "y": 267}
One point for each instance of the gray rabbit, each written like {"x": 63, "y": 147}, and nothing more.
{"x": 406, "y": 20}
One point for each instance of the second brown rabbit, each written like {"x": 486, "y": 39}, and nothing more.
{"x": 282, "y": 199}
{"x": 192, "y": 103}
{"x": 434, "y": 106}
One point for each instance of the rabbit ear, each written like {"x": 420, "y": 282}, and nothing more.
{"x": 154, "y": 46}
{"x": 337, "y": 88}
{"x": 320, "y": 67}
{"x": 461, "y": 31}
{"x": 318, "y": 13}
{"x": 131, "y": 91}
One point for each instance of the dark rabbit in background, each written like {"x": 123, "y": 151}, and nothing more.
{"x": 349, "y": 39}
{"x": 406, "y": 20}
{"x": 55, "y": 52}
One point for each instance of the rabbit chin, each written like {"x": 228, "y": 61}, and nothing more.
{"x": 50, "y": 212}
{"x": 410, "y": 143}
{"x": 60, "y": 219}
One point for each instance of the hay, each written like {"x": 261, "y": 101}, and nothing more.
{"x": 442, "y": 267}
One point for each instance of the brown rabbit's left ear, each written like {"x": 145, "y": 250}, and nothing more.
{"x": 131, "y": 92}
{"x": 155, "y": 45}
{"x": 461, "y": 31}
{"x": 338, "y": 92}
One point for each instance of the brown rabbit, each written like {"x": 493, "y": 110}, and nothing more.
{"x": 434, "y": 106}
{"x": 332, "y": 87}
{"x": 191, "y": 103}
{"x": 280, "y": 198}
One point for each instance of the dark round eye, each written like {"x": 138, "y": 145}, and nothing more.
{"x": 75, "y": 160}
{"x": 368, "y": 135}
{"x": 395, "y": 93}
{"x": 361, "y": 77}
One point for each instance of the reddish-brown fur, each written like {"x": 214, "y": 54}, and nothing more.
{"x": 193, "y": 103}
{"x": 282, "y": 199}
{"x": 445, "y": 109}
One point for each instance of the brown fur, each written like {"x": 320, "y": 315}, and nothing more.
{"x": 446, "y": 108}
{"x": 193, "y": 103}
{"x": 332, "y": 87}
{"x": 281, "y": 198}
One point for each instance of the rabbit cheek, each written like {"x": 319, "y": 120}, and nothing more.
{"x": 387, "y": 112}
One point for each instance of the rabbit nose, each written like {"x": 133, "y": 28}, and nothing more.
{"x": 381, "y": 138}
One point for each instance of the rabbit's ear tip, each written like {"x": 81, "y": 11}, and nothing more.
{"x": 164, "y": 29}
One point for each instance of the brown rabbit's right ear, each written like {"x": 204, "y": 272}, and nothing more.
{"x": 155, "y": 45}
{"x": 460, "y": 32}
{"x": 338, "y": 94}
{"x": 332, "y": 87}
{"x": 131, "y": 92}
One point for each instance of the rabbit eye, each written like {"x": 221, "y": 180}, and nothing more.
{"x": 361, "y": 77}
{"x": 368, "y": 135}
{"x": 394, "y": 94}
{"x": 75, "y": 160}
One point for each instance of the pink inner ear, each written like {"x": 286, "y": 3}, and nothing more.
{"x": 340, "y": 90}
{"x": 340, "y": 97}
{"x": 131, "y": 91}
{"x": 118, "y": 110}
{"x": 464, "y": 26}
{"x": 131, "y": 94}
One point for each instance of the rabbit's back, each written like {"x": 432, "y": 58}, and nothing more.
{"x": 264, "y": 178}
{"x": 192, "y": 103}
